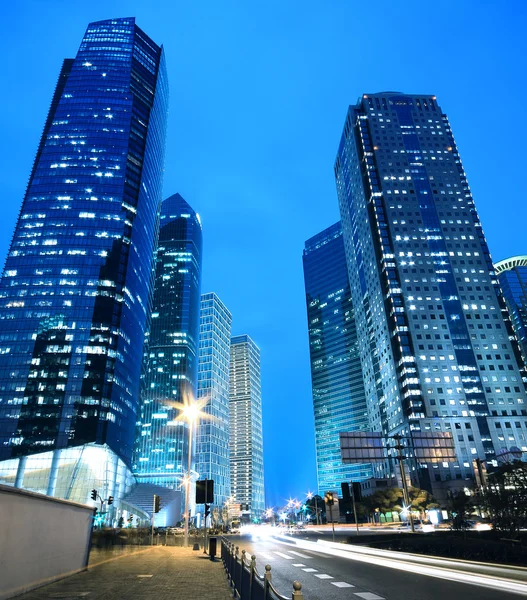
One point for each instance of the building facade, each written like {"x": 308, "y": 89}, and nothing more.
{"x": 339, "y": 401}
{"x": 213, "y": 433}
{"x": 171, "y": 360}
{"x": 246, "y": 443}
{"x": 75, "y": 295}
{"x": 512, "y": 275}
{"x": 435, "y": 345}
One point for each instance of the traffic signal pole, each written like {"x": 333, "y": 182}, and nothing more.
{"x": 153, "y": 517}
{"x": 205, "y": 518}
{"x": 354, "y": 508}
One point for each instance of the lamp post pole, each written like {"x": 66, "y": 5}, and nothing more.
{"x": 400, "y": 457}
{"x": 187, "y": 491}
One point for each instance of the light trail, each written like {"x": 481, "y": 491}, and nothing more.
{"x": 419, "y": 565}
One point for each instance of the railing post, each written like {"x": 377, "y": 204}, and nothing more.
{"x": 297, "y": 591}
{"x": 253, "y": 568}
{"x": 267, "y": 580}
{"x": 236, "y": 550}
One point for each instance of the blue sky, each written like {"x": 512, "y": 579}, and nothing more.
{"x": 258, "y": 95}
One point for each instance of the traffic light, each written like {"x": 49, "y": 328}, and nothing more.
{"x": 207, "y": 510}
{"x": 94, "y": 494}
{"x": 328, "y": 498}
{"x": 110, "y": 500}
{"x": 205, "y": 491}
{"x": 157, "y": 503}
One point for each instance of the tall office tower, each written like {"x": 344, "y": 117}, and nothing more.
{"x": 171, "y": 360}
{"x": 339, "y": 401}
{"x": 435, "y": 347}
{"x": 246, "y": 444}
{"x": 512, "y": 275}
{"x": 212, "y": 444}
{"x": 75, "y": 294}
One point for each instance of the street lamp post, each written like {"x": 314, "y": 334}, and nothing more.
{"x": 190, "y": 411}
{"x": 190, "y": 422}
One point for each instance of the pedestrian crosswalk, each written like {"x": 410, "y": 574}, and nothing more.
{"x": 291, "y": 555}
{"x": 286, "y": 555}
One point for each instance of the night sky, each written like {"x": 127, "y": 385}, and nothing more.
{"x": 258, "y": 96}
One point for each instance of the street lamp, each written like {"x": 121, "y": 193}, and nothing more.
{"x": 190, "y": 410}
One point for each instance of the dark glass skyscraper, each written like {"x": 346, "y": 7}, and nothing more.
{"x": 512, "y": 274}
{"x": 339, "y": 401}
{"x": 75, "y": 294}
{"x": 435, "y": 346}
{"x": 171, "y": 361}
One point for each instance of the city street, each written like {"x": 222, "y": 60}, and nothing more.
{"x": 347, "y": 574}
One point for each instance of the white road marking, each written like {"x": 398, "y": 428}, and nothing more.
{"x": 283, "y": 555}
{"x": 341, "y": 584}
{"x": 299, "y": 554}
{"x": 265, "y": 555}
{"x": 368, "y": 596}
{"x": 324, "y": 576}
{"x": 144, "y": 575}
{"x": 298, "y": 565}
{"x": 310, "y": 570}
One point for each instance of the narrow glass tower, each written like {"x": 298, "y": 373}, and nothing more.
{"x": 435, "y": 341}
{"x": 339, "y": 401}
{"x": 171, "y": 360}
{"x": 512, "y": 274}
{"x": 212, "y": 447}
{"x": 246, "y": 443}
{"x": 75, "y": 294}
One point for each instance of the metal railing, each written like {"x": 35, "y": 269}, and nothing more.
{"x": 245, "y": 580}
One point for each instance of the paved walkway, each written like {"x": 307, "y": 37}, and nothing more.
{"x": 157, "y": 573}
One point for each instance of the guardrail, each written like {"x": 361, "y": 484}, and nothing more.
{"x": 246, "y": 581}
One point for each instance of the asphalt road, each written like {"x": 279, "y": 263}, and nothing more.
{"x": 325, "y": 577}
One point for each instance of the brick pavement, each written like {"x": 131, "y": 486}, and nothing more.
{"x": 158, "y": 572}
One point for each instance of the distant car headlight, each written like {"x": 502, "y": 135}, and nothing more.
{"x": 483, "y": 527}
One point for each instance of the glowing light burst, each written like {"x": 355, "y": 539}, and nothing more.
{"x": 190, "y": 410}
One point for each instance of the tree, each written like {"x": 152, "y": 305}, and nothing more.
{"x": 421, "y": 500}
{"x": 460, "y": 506}
{"x": 505, "y": 498}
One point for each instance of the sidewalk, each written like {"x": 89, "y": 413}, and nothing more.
{"x": 158, "y": 572}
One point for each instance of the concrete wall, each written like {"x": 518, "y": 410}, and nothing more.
{"x": 41, "y": 539}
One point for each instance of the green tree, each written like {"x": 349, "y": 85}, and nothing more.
{"x": 421, "y": 500}
{"x": 459, "y": 506}
{"x": 505, "y": 498}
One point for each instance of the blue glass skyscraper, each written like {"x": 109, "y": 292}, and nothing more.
{"x": 212, "y": 443}
{"x": 75, "y": 294}
{"x": 339, "y": 401}
{"x": 512, "y": 274}
{"x": 435, "y": 346}
{"x": 171, "y": 361}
